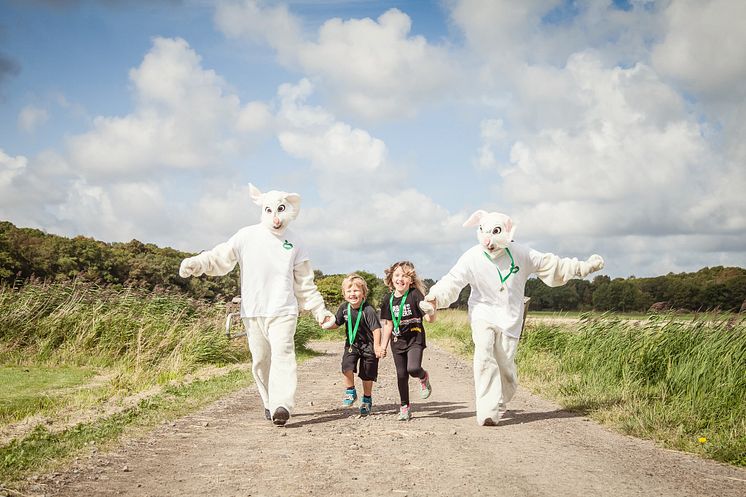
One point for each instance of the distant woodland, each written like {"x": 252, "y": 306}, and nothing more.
{"x": 29, "y": 254}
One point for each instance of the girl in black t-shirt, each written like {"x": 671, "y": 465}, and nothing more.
{"x": 402, "y": 321}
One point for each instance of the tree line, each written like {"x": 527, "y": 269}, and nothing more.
{"x": 27, "y": 253}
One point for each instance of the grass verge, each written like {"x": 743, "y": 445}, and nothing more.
{"x": 43, "y": 449}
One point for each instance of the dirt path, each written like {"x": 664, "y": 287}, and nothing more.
{"x": 229, "y": 449}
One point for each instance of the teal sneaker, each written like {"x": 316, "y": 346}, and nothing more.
{"x": 425, "y": 388}
{"x": 350, "y": 397}
{"x": 366, "y": 405}
{"x": 404, "y": 413}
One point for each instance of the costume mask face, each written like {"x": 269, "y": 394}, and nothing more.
{"x": 278, "y": 208}
{"x": 495, "y": 230}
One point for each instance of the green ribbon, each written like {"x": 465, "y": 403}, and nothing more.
{"x": 401, "y": 310}
{"x": 352, "y": 333}
{"x": 287, "y": 245}
{"x": 513, "y": 267}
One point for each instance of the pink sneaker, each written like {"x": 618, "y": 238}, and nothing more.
{"x": 425, "y": 388}
{"x": 404, "y": 414}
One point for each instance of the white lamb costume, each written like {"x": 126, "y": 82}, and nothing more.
{"x": 496, "y": 302}
{"x": 276, "y": 280}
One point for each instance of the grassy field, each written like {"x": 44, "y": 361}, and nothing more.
{"x": 680, "y": 382}
{"x": 82, "y": 365}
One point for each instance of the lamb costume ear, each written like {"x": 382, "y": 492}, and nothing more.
{"x": 256, "y": 195}
{"x": 510, "y": 226}
{"x": 474, "y": 218}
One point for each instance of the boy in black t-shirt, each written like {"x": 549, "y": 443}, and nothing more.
{"x": 402, "y": 318}
{"x": 363, "y": 343}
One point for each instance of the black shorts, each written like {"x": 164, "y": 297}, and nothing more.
{"x": 365, "y": 356}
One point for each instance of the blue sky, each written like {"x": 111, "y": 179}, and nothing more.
{"x": 601, "y": 127}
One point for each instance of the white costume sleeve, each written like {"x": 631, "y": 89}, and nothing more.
{"x": 216, "y": 262}
{"x": 556, "y": 271}
{"x": 306, "y": 292}
{"x": 446, "y": 291}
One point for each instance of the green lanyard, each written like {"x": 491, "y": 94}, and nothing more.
{"x": 352, "y": 333}
{"x": 513, "y": 267}
{"x": 401, "y": 309}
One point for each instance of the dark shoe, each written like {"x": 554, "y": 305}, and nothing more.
{"x": 489, "y": 422}
{"x": 267, "y": 415}
{"x": 281, "y": 416}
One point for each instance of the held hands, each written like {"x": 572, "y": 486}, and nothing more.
{"x": 380, "y": 351}
{"x": 327, "y": 321}
{"x": 428, "y": 307}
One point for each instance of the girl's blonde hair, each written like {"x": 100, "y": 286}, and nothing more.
{"x": 408, "y": 269}
{"x": 354, "y": 278}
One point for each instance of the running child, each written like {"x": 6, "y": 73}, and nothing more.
{"x": 363, "y": 343}
{"x": 402, "y": 321}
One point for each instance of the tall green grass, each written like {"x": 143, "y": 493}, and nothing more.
{"x": 71, "y": 348}
{"x": 150, "y": 335}
{"x": 451, "y": 328}
{"x": 681, "y": 383}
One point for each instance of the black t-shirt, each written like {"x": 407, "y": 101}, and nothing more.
{"x": 368, "y": 322}
{"x": 411, "y": 329}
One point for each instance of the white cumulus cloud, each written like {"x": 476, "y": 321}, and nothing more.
{"x": 184, "y": 118}
{"x": 372, "y": 68}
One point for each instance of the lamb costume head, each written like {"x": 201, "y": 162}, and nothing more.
{"x": 495, "y": 230}
{"x": 278, "y": 208}
{"x": 276, "y": 284}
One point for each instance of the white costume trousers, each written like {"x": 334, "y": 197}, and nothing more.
{"x": 495, "y": 374}
{"x": 272, "y": 346}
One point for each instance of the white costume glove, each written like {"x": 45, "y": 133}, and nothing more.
{"x": 322, "y": 315}
{"x": 591, "y": 265}
{"x": 189, "y": 267}
{"x": 427, "y": 307}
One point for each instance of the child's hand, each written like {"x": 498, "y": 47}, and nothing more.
{"x": 328, "y": 323}
{"x": 378, "y": 350}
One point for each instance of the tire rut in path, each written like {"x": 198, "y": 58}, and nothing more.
{"x": 538, "y": 449}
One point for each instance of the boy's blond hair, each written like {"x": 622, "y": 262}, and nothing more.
{"x": 408, "y": 269}
{"x": 355, "y": 279}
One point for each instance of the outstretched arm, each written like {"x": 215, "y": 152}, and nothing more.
{"x": 556, "y": 271}
{"x": 447, "y": 289}
{"x": 309, "y": 298}
{"x": 216, "y": 262}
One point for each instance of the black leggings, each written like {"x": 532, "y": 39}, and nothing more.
{"x": 408, "y": 364}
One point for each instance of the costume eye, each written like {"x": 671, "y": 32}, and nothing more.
{"x": 280, "y": 208}
{"x": 480, "y": 228}
{"x": 268, "y": 210}
{"x": 497, "y": 230}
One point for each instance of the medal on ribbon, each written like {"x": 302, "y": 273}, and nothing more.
{"x": 352, "y": 332}
{"x": 397, "y": 320}
{"x": 513, "y": 268}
